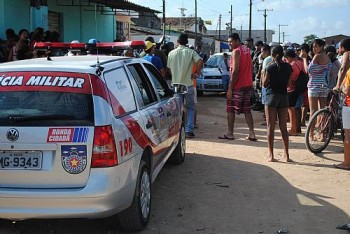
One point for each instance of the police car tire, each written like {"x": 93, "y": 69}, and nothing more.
{"x": 132, "y": 218}
{"x": 178, "y": 155}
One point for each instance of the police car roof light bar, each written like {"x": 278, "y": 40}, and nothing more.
{"x": 105, "y": 46}
{"x": 59, "y": 46}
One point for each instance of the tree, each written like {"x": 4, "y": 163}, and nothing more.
{"x": 308, "y": 39}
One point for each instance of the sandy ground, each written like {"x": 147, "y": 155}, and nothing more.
{"x": 229, "y": 187}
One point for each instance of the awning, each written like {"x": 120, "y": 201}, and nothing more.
{"x": 124, "y": 5}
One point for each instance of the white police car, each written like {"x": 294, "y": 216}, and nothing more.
{"x": 211, "y": 78}
{"x": 85, "y": 137}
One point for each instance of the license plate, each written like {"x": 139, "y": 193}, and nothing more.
{"x": 21, "y": 160}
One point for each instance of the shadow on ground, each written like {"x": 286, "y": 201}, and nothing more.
{"x": 215, "y": 195}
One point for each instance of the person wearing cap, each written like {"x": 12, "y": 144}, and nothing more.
{"x": 157, "y": 51}
{"x": 180, "y": 64}
{"x": 93, "y": 41}
{"x": 150, "y": 57}
{"x": 240, "y": 87}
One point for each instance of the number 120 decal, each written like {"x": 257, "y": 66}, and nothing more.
{"x": 125, "y": 147}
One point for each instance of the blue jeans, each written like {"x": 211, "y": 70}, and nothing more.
{"x": 225, "y": 80}
{"x": 190, "y": 108}
{"x": 263, "y": 95}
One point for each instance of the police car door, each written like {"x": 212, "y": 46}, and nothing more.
{"x": 168, "y": 105}
{"x": 150, "y": 110}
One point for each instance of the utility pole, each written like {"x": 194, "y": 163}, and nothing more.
{"x": 163, "y": 19}
{"x": 279, "y": 32}
{"x": 250, "y": 18}
{"x": 231, "y": 21}
{"x": 220, "y": 27}
{"x": 284, "y": 36}
{"x": 265, "y": 15}
{"x": 241, "y": 30}
{"x": 195, "y": 24}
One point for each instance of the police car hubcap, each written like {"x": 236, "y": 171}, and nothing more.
{"x": 145, "y": 194}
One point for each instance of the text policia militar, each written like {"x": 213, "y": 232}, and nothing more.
{"x": 58, "y": 81}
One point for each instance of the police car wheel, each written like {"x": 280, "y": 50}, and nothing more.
{"x": 137, "y": 215}
{"x": 178, "y": 155}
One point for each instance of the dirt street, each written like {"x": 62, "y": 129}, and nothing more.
{"x": 228, "y": 186}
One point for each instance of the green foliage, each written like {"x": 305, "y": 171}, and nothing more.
{"x": 308, "y": 39}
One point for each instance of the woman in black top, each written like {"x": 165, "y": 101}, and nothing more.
{"x": 275, "y": 80}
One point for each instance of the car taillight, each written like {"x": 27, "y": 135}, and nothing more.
{"x": 104, "y": 153}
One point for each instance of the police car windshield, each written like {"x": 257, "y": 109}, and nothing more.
{"x": 45, "y": 108}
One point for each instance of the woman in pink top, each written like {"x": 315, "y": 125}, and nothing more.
{"x": 297, "y": 66}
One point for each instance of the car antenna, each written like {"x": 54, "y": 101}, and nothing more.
{"x": 99, "y": 69}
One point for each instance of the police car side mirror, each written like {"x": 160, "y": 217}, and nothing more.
{"x": 180, "y": 88}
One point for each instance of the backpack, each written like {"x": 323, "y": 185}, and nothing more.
{"x": 301, "y": 82}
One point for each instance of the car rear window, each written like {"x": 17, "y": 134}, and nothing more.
{"x": 44, "y": 99}
{"x": 45, "y": 108}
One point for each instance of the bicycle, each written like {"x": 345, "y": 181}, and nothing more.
{"x": 323, "y": 125}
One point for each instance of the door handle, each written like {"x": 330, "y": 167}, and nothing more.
{"x": 149, "y": 124}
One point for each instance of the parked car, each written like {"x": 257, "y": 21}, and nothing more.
{"x": 85, "y": 137}
{"x": 211, "y": 78}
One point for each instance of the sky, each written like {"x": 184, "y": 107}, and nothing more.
{"x": 303, "y": 17}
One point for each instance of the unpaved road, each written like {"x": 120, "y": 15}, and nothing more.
{"x": 229, "y": 187}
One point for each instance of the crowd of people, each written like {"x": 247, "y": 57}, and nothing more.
{"x": 271, "y": 75}
{"x": 267, "y": 75}
{"x": 19, "y": 46}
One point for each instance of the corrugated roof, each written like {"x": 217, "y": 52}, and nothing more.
{"x": 125, "y": 5}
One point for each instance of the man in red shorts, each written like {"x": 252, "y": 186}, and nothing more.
{"x": 240, "y": 87}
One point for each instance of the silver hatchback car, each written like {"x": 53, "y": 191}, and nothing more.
{"x": 85, "y": 137}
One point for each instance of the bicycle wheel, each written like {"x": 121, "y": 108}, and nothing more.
{"x": 319, "y": 131}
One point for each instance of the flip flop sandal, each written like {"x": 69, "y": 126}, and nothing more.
{"x": 251, "y": 139}
{"x": 226, "y": 137}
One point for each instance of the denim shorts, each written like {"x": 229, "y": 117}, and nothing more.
{"x": 318, "y": 93}
{"x": 300, "y": 100}
{"x": 277, "y": 100}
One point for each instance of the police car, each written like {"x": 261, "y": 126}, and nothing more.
{"x": 85, "y": 137}
{"x": 210, "y": 79}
